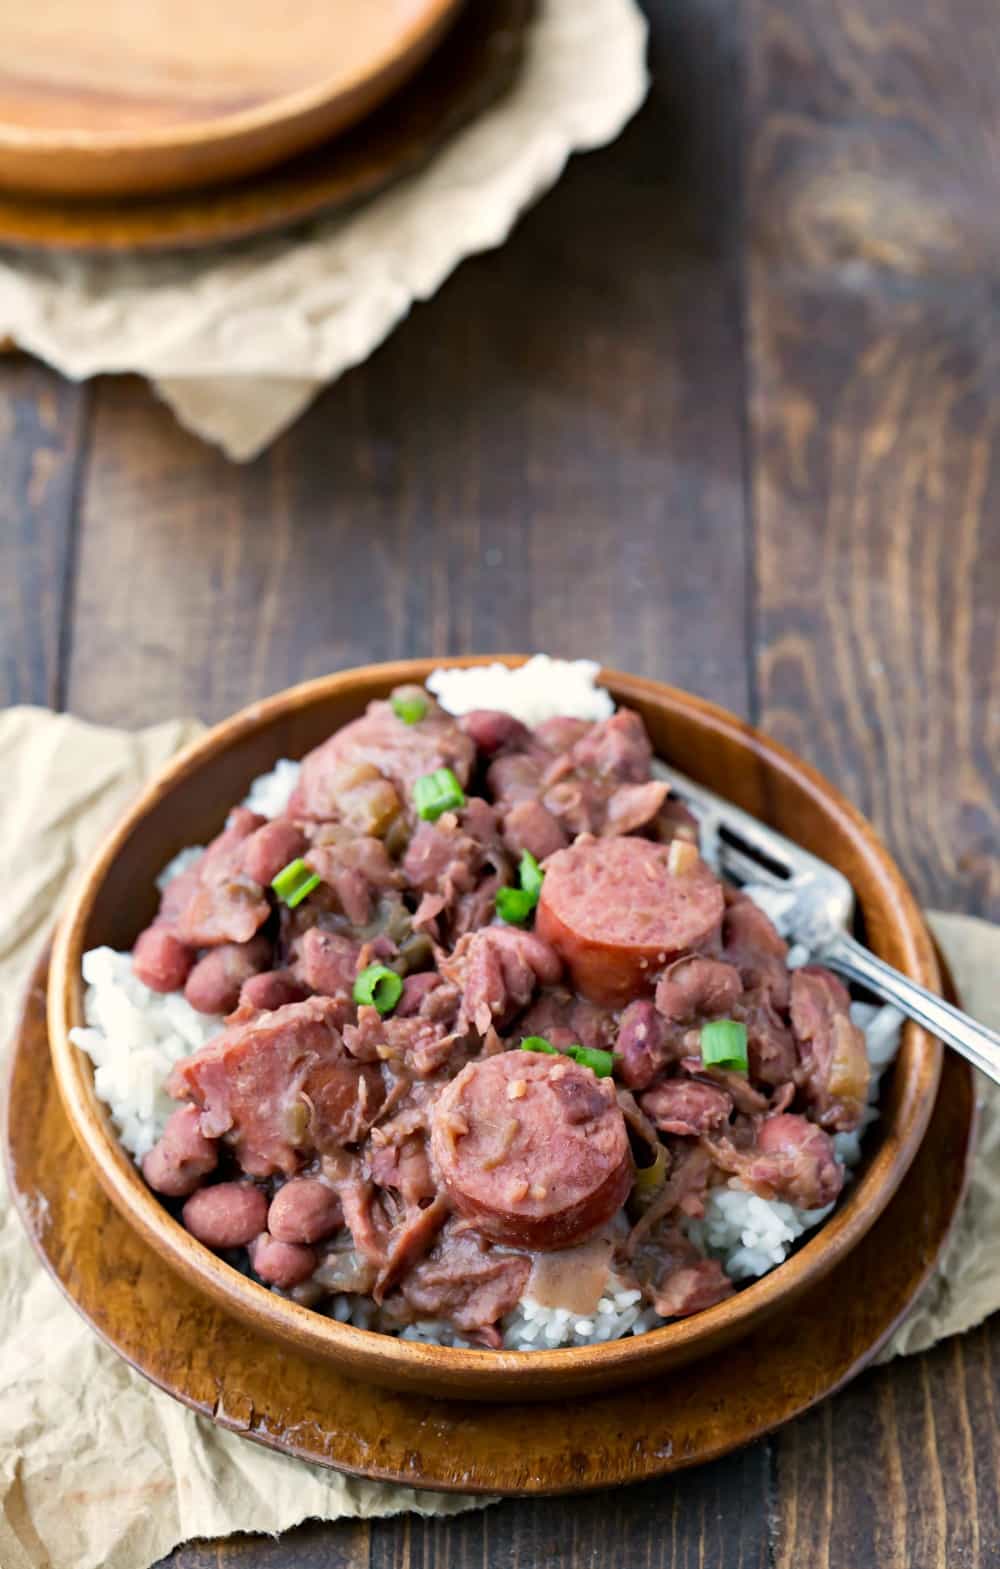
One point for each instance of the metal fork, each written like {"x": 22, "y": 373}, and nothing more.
{"x": 813, "y": 903}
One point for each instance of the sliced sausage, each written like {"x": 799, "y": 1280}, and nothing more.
{"x": 228, "y": 1215}
{"x": 160, "y": 960}
{"x": 216, "y": 981}
{"x": 532, "y": 1149}
{"x": 284, "y": 1264}
{"x": 181, "y": 1156}
{"x": 304, "y": 1210}
{"x": 617, "y": 915}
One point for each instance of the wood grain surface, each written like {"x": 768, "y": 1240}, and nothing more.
{"x": 723, "y": 410}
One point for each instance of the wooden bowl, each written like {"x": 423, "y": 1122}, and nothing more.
{"x": 187, "y": 803}
{"x": 125, "y": 100}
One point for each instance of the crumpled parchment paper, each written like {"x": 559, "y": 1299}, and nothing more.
{"x": 100, "y": 1470}
{"x": 239, "y": 339}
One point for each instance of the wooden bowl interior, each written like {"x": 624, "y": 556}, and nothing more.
{"x": 188, "y": 804}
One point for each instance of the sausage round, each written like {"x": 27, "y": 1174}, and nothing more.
{"x": 532, "y": 1149}
{"x": 616, "y": 914}
{"x": 227, "y": 1215}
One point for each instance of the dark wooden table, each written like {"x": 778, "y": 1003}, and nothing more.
{"x": 723, "y": 411}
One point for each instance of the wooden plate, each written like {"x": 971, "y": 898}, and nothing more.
{"x": 475, "y": 64}
{"x": 180, "y": 1340}
{"x": 187, "y": 803}
{"x": 103, "y": 98}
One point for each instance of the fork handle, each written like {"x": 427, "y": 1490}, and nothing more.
{"x": 981, "y": 1046}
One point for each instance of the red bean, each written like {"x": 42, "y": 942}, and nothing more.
{"x": 182, "y": 1156}
{"x": 271, "y": 848}
{"x": 228, "y": 1215}
{"x": 304, "y": 1210}
{"x": 160, "y": 960}
{"x": 284, "y": 1264}
{"x": 415, "y": 989}
{"x": 491, "y": 730}
{"x": 272, "y": 990}
{"x": 529, "y": 826}
{"x": 216, "y": 981}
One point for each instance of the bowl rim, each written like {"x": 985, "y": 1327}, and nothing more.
{"x": 412, "y": 1361}
{"x": 419, "y": 34}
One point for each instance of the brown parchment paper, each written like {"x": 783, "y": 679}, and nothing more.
{"x": 99, "y": 1470}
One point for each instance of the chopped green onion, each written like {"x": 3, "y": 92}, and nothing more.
{"x": 514, "y": 905}
{"x": 648, "y": 1178}
{"x": 602, "y": 1062}
{"x": 436, "y": 793}
{"x": 724, "y": 1045}
{"x": 409, "y": 709}
{"x": 378, "y": 987}
{"x": 294, "y": 882}
{"x": 530, "y": 874}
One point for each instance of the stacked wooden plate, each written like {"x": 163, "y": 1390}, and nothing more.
{"x": 184, "y": 122}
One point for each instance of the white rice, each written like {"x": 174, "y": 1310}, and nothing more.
{"x": 532, "y": 1327}
{"x": 543, "y": 688}
{"x": 180, "y": 863}
{"x": 134, "y": 1036}
{"x": 270, "y": 793}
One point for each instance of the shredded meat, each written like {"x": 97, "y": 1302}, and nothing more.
{"x": 498, "y": 970}
{"x": 465, "y": 1280}
{"x": 835, "y": 1069}
{"x": 793, "y": 1160}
